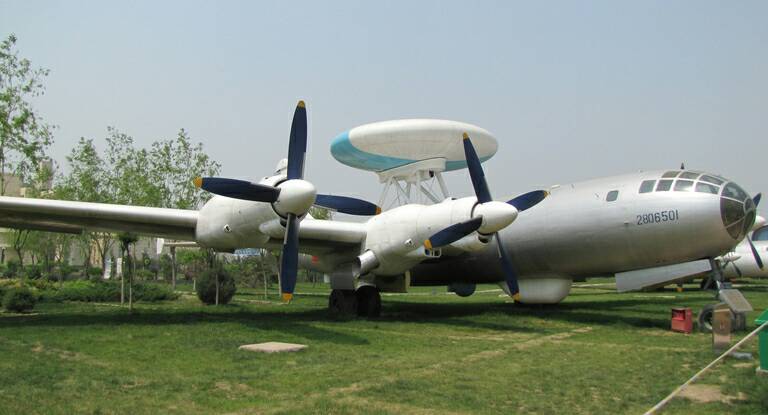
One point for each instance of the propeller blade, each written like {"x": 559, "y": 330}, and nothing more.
{"x": 348, "y": 205}
{"x": 297, "y": 146}
{"x": 453, "y": 233}
{"x": 754, "y": 253}
{"x": 509, "y": 270}
{"x": 476, "y": 172}
{"x": 738, "y": 271}
{"x": 756, "y": 199}
{"x": 238, "y": 189}
{"x": 528, "y": 200}
{"x": 289, "y": 261}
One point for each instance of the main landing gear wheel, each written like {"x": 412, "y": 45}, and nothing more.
{"x": 368, "y": 301}
{"x": 342, "y": 303}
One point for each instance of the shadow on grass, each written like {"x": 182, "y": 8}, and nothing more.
{"x": 646, "y": 312}
{"x": 294, "y": 323}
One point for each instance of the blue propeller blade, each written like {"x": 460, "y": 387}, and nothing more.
{"x": 476, "y": 172}
{"x": 238, "y": 189}
{"x": 453, "y": 233}
{"x": 297, "y": 146}
{"x": 756, "y": 199}
{"x": 348, "y": 205}
{"x": 510, "y": 275}
{"x": 528, "y": 200}
{"x": 289, "y": 262}
{"x": 755, "y": 253}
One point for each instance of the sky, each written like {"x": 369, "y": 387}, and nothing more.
{"x": 571, "y": 90}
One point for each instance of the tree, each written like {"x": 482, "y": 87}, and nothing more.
{"x": 127, "y": 239}
{"x": 24, "y": 136}
{"x": 84, "y": 183}
{"x": 176, "y": 162}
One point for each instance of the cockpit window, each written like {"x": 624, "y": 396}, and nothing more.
{"x": 706, "y": 188}
{"x": 612, "y": 195}
{"x": 647, "y": 186}
{"x": 732, "y": 211}
{"x": 733, "y": 191}
{"x": 689, "y": 175}
{"x": 711, "y": 179}
{"x": 664, "y": 185}
{"x": 670, "y": 174}
{"x": 683, "y": 186}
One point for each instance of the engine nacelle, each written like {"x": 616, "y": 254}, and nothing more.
{"x": 473, "y": 242}
{"x": 396, "y": 237}
{"x": 225, "y": 224}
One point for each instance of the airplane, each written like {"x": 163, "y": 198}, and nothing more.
{"x": 646, "y": 228}
{"x": 741, "y": 263}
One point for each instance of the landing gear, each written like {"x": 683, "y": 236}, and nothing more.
{"x": 342, "y": 303}
{"x": 368, "y": 301}
{"x": 363, "y": 302}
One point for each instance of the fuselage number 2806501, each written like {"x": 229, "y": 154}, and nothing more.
{"x": 658, "y": 217}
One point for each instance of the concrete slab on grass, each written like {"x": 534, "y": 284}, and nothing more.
{"x": 273, "y": 347}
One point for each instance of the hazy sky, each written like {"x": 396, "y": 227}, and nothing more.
{"x": 572, "y": 90}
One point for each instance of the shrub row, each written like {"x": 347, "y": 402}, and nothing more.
{"x": 82, "y": 290}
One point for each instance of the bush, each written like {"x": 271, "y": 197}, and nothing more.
{"x": 206, "y": 286}
{"x": 11, "y": 269}
{"x": 105, "y": 291}
{"x": 145, "y": 274}
{"x": 19, "y": 299}
{"x": 33, "y": 272}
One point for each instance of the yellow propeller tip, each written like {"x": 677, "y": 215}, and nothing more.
{"x": 378, "y": 210}
{"x": 301, "y": 104}
{"x": 466, "y": 136}
{"x": 198, "y": 181}
{"x": 287, "y": 297}
{"x": 428, "y": 244}
{"x": 516, "y": 297}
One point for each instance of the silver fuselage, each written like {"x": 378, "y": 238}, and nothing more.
{"x": 576, "y": 232}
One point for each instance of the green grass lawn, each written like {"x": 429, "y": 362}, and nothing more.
{"x": 597, "y": 352}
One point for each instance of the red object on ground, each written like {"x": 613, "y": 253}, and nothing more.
{"x": 682, "y": 320}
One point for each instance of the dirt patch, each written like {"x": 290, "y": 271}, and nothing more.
{"x": 708, "y": 394}
{"x": 743, "y": 365}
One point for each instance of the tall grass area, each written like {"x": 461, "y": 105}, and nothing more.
{"x": 598, "y": 352}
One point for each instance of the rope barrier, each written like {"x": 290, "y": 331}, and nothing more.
{"x": 680, "y": 388}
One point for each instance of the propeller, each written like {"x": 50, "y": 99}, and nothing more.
{"x": 759, "y": 260}
{"x": 491, "y": 216}
{"x": 291, "y": 198}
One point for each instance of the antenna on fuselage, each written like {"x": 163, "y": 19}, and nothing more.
{"x": 682, "y": 166}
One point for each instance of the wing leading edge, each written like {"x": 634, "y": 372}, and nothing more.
{"x": 76, "y": 217}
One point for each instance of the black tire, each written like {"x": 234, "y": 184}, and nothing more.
{"x": 738, "y": 321}
{"x": 342, "y": 303}
{"x": 368, "y": 301}
{"x": 705, "y": 318}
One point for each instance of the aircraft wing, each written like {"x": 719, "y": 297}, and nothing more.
{"x": 76, "y": 217}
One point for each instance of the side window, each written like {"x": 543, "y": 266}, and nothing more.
{"x": 647, "y": 186}
{"x": 683, "y": 186}
{"x": 612, "y": 195}
{"x": 664, "y": 185}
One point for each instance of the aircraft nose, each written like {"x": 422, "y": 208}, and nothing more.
{"x": 737, "y": 210}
